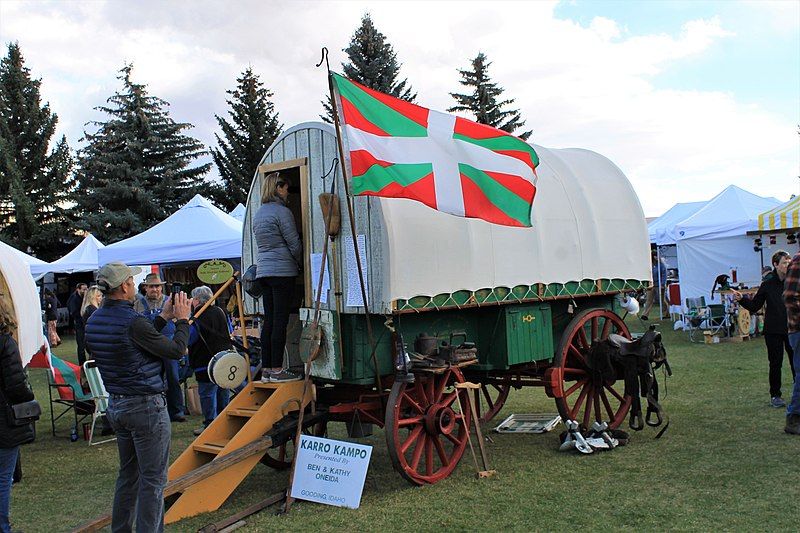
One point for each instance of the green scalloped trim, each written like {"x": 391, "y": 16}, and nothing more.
{"x": 520, "y": 294}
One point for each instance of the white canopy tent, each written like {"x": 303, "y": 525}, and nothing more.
{"x": 17, "y": 287}
{"x": 197, "y": 231}
{"x": 714, "y": 241}
{"x": 662, "y": 229}
{"x": 238, "y": 212}
{"x": 82, "y": 258}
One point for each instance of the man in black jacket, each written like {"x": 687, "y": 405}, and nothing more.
{"x": 130, "y": 352}
{"x": 776, "y": 333}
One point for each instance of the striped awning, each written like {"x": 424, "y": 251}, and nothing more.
{"x": 785, "y": 216}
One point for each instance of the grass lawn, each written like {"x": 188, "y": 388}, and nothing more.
{"x": 725, "y": 463}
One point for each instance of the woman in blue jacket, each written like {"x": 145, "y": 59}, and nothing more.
{"x": 277, "y": 266}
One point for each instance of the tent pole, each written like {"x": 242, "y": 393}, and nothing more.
{"x": 660, "y": 291}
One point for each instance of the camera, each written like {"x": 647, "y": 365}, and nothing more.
{"x": 176, "y": 288}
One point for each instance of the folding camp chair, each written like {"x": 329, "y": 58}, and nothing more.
{"x": 700, "y": 317}
{"x": 64, "y": 377}
{"x": 99, "y": 395}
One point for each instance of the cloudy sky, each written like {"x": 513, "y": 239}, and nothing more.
{"x": 685, "y": 97}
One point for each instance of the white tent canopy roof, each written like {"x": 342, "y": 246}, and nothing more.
{"x": 24, "y": 299}
{"x": 82, "y": 258}
{"x": 731, "y": 213}
{"x": 238, "y": 212}
{"x": 662, "y": 229}
{"x": 197, "y": 231}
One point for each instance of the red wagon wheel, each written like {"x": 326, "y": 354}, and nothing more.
{"x": 425, "y": 433}
{"x": 580, "y": 396}
{"x": 280, "y": 457}
{"x": 490, "y": 398}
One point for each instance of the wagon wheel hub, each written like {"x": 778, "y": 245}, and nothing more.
{"x": 440, "y": 420}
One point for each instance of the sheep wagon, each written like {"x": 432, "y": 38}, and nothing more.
{"x": 529, "y": 302}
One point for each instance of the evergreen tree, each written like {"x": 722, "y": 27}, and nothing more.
{"x": 252, "y": 128}
{"x": 34, "y": 180}
{"x": 483, "y": 101}
{"x": 373, "y": 63}
{"x": 136, "y": 168}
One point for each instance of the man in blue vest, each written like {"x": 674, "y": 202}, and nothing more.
{"x": 130, "y": 353}
{"x": 150, "y": 305}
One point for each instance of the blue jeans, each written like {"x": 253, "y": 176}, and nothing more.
{"x": 143, "y": 436}
{"x": 8, "y": 460}
{"x": 794, "y": 403}
{"x": 175, "y": 405}
{"x": 213, "y": 399}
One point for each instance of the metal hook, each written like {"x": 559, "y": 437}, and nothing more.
{"x": 324, "y": 57}
{"x": 334, "y": 163}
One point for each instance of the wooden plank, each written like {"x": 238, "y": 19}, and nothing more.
{"x": 244, "y": 513}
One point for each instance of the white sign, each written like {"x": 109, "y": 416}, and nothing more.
{"x": 330, "y": 471}
{"x": 316, "y": 265}
{"x": 354, "y": 297}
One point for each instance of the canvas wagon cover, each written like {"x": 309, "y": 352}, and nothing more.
{"x": 587, "y": 224}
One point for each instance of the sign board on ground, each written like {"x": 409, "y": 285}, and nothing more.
{"x": 215, "y": 272}
{"x": 330, "y": 471}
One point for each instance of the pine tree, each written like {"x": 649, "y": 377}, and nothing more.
{"x": 373, "y": 63}
{"x": 34, "y": 181}
{"x": 135, "y": 169}
{"x": 252, "y": 128}
{"x": 483, "y": 101}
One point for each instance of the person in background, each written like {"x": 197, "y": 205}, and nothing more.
{"x": 91, "y": 302}
{"x": 791, "y": 297}
{"x": 659, "y": 282}
{"x": 130, "y": 351}
{"x": 150, "y": 306}
{"x": 74, "y": 304}
{"x": 209, "y": 335}
{"x": 776, "y": 335}
{"x": 50, "y": 306}
{"x": 279, "y": 254}
{"x": 14, "y": 389}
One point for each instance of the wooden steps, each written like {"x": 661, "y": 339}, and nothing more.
{"x": 246, "y": 419}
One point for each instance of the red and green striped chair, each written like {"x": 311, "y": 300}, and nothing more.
{"x": 65, "y": 378}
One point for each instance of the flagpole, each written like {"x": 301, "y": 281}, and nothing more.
{"x": 351, "y": 216}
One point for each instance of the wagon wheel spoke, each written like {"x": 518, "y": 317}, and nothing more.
{"x": 582, "y": 340}
{"x": 420, "y": 440}
{"x": 452, "y": 439}
{"x": 408, "y": 399}
{"x": 579, "y": 401}
{"x": 611, "y": 389}
{"x": 574, "y": 352}
{"x": 595, "y": 326}
{"x": 575, "y": 387}
{"x": 587, "y": 414}
{"x": 598, "y": 416}
{"x": 449, "y": 399}
{"x": 607, "y": 404}
{"x": 440, "y": 389}
{"x": 606, "y": 329}
{"x": 420, "y": 393}
{"x": 575, "y": 372}
{"x": 440, "y": 451}
{"x": 428, "y": 455}
{"x": 412, "y": 437}
{"x": 410, "y": 421}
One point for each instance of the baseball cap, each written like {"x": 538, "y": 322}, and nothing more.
{"x": 112, "y": 275}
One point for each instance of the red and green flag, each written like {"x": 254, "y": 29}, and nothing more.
{"x": 401, "y": 150}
